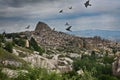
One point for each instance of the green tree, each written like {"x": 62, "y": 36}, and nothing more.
{"x": 108, "y": 59}
{"x": 106, "y": 77}
{"x": 85, "y": 61}
{"x": 3, "y": 76}
{"x": 88, "y": 76}
{"x": 34, "y": 46}
{"x": 39, "y": 74}
{"x": 9, "y": 47}
{"x": 93, "y": 55}
{"x": 2, "y": 38}
{"x": 0, "y": 44}
{"x": 19, "y": 42}
{"x": 114, "y": 50}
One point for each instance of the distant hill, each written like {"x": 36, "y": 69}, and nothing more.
{"x": 107, "y": 34}
{"x": 44, "y": 35}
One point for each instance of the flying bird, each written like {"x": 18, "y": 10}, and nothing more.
{"x": 87, "y": 4}
{"x": 70, "y": 7}
{"x": 68, "y": 29}
{"x": 60, "y": 11}
{"x": 53, "y": 29}
{"x": 66, "y": 24}
{"x": 27, "y": 27}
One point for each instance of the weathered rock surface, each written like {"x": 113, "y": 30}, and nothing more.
{"x": 11, "y": 63}
{"x": 41, "y": 26}
{"x": 116, "y": 67}
{"x": 39, "y": 61}
{"x": 44, "y": 35}
{"x": 12, "y": 73}
{"x": 56, "y": 63}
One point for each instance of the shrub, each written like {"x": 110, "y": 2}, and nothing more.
{"x": 34, "y": 46}
{"x": 3, "y": 76}
{"x": 39, "y": 74}
{"x": 19, "y": 42}
{"x": 106, "y": 77}
{"x": 108, "y": 59}
{"x": 9, "y": 47}
{"x": 0, "y": 44}
{"x": 2, "y": 38}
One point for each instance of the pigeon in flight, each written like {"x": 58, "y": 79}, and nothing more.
{"x": 68, "y": 29}
{"x": 27, "y": 27}
{"x": 53, "y": 29}
{"x": 70, "y": 7}
{"x": 66, "y": 24}
{"x": 60, "y": 11}
{"x": 87, "y": 4}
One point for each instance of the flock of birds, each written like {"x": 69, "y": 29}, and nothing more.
{"x": 87, "y": 3}
{"x": 67, "y": 24}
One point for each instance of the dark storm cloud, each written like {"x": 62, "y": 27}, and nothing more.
{"x": 21, "y": 3}
{"x": 16, "y": 14}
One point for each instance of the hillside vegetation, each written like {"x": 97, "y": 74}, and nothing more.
{"x": 45, "y": 54}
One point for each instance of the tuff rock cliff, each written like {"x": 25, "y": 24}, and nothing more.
{"x": 116, "y": 66}
{"x": 44, "y": 35}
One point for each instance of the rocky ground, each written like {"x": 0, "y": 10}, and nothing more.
{"x": 60, "y": 51}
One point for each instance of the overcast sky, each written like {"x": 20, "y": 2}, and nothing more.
{"x": 15, "y": 15}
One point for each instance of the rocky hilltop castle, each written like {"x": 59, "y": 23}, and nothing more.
{"x": 44, "y": 35}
